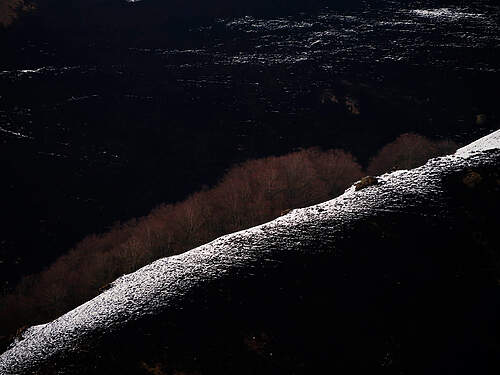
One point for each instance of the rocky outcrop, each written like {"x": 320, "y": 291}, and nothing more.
{"x": 401, "y": 277}
{"x": 348, "y": 103}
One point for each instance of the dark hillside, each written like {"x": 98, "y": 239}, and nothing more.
{"x": 399, "y": 277}
{"x": 249, "y": 194}
{"x": 109, "y": 108}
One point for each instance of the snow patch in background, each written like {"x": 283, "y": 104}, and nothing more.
{"x": 445, "y": 14}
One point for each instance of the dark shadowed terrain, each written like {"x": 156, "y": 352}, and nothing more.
{"x": 108, "y": 108}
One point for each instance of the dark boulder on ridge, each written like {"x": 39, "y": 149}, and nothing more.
{"x": 401, "y": 277}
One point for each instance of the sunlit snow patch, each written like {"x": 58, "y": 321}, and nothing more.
{"x": 14, "y": 133}
{"x": 445, "y": 14}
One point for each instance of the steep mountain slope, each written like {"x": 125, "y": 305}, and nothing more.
{"x": 399, "y": 276}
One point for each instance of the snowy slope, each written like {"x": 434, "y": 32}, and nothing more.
{"x": 164, "y": 288}
{"x": 488, "y": 142}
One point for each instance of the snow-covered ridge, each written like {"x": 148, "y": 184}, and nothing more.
{"x": 160, "y": 287}
{"x": 488, "y": 142}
